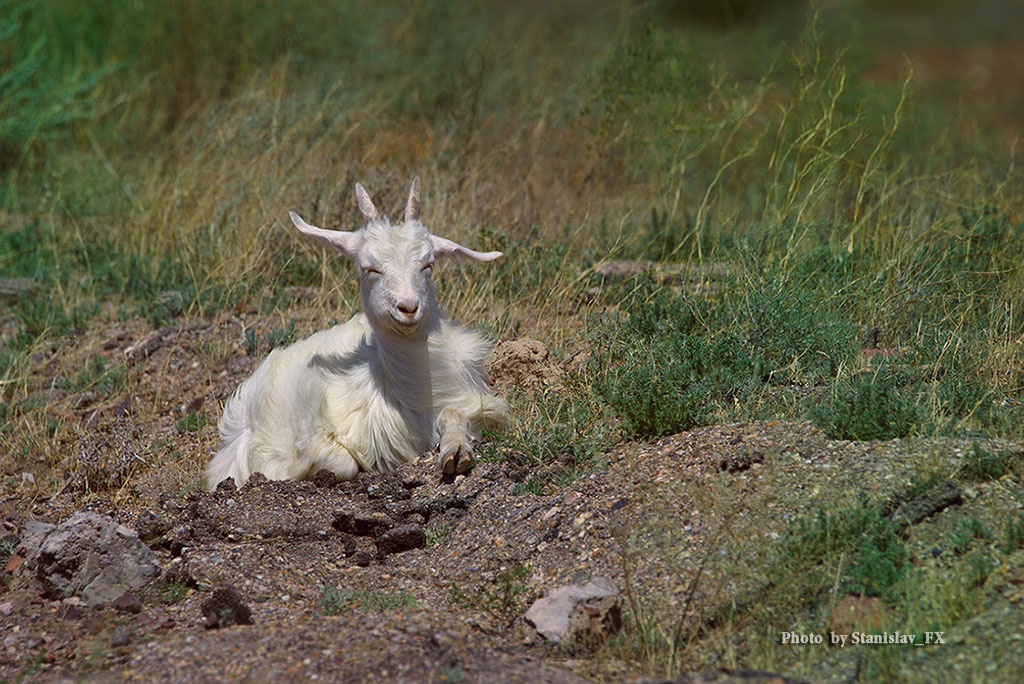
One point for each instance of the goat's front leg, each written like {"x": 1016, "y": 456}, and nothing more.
{"x": 456, "y": 448}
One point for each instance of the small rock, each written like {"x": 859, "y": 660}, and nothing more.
{"x": 372, "y": 524}
{"x": 402, "y": 538}
{"x": 152, "y": 525}
{"x": 255, "y": 480}
{"x": 413, "y": 480}
{"x": 120, "y": 637}
{"x": 144, "y": 347}
{"x": 224, "y": 609}
{"x": 124, "y": 408}
{"x": 91, "y": 556}
{"x": 578, "y": 614}
{"x": 324, "y": 479}
{"x": 365, "y": 552}
{"x": 128, "y": 603}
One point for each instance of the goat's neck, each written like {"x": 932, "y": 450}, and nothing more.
{"x": 405, "y": 364}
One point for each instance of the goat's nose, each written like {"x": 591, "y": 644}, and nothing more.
{"x": 409, "y": 308}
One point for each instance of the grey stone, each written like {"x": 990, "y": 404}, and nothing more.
{"x": 91, "y": 556}
{"x": 402, "y": 538}
{"x": 578, "y": 613}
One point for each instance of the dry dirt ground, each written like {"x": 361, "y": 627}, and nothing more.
{"x": 412, "y": 577}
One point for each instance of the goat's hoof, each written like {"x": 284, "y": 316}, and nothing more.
{"x": 457, "y": 461}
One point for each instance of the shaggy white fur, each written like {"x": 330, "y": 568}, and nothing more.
{"x": 377, "y": 391}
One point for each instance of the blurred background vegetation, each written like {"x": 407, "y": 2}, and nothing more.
{"x": 846, "y": 170}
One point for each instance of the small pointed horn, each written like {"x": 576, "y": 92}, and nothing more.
{"x": 366, "y": 204}
{"x": 412, "y": 208}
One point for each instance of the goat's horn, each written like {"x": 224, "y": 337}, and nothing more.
{"x": 366, "y": 204}
{"x": 412, "y": 208}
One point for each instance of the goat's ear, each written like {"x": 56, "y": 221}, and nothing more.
{"x": 444, "y": 247}
{"x": 412, "y": 207}
{"x": 348, "y": 243}
{"x": 366, "y": 204}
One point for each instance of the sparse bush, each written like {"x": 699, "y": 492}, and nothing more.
{"x": 674, "y": 383}
{"x": 966, "y": 531}
{"x": 796, "y": 339}
{"x": 559, "y": 438}
{"x": 981, "y": 465}
{"x": 872, "y": 406}
{"x": 502, "y": 598}
{"x": 879, "y": 561}
{"x": 674, "y": 363}
{"x": 980, "y": 566}
{"x": 101, "y": 375}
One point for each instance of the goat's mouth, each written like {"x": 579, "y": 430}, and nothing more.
{"x": 405, "y": 321}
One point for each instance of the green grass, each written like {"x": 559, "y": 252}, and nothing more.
{"x": 335, "y": 601}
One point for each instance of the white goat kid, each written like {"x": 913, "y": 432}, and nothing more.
{"x": 374, "y": 392}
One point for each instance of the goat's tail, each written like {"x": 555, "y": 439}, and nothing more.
{"x": 236, "y": 428}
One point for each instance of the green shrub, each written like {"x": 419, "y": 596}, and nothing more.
{"x": 503, "y": 598}
{"x": 1013, "y": 533}
{"x": 193, "y": 421}
{"x": 966, "y": 531}
{"x": 674, "y": 362}
{"x": 100, "y": 374}
{"x": 980, "y": 465}
{"x": 674, "y": 384}
{"x": 795, "y": 338}
{"x": 871, "y": 406}
{"x": 558, "y": 438}
{"x": 876, "y": 557}
{"x": 879, "y": 560}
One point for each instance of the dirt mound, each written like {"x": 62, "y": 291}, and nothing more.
{"x": 524, "y": 363}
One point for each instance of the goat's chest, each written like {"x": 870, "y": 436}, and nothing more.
{"x": 367, "y": 408}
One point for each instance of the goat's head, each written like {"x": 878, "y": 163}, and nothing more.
{"x": 395, "y": 263}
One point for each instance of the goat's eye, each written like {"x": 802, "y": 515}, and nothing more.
{"x": 428, "y": 269}
{"x": 369, "y": 271}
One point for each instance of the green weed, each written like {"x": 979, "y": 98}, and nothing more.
{"x": 675, "y": 363}
{"x": 334, "y": 601}
{"x": 559, "y": 439}
{"x": 259, "y": 345}
{"x": 981, "y": 465}
{"x": 193, "y": 421}
{"x": 503, "y": 598}
{"x": 966, "y": 531}
{"x": 1013, "y": 534}
{"x": 101, "y": 375}
{"x": 437, "y": 531}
